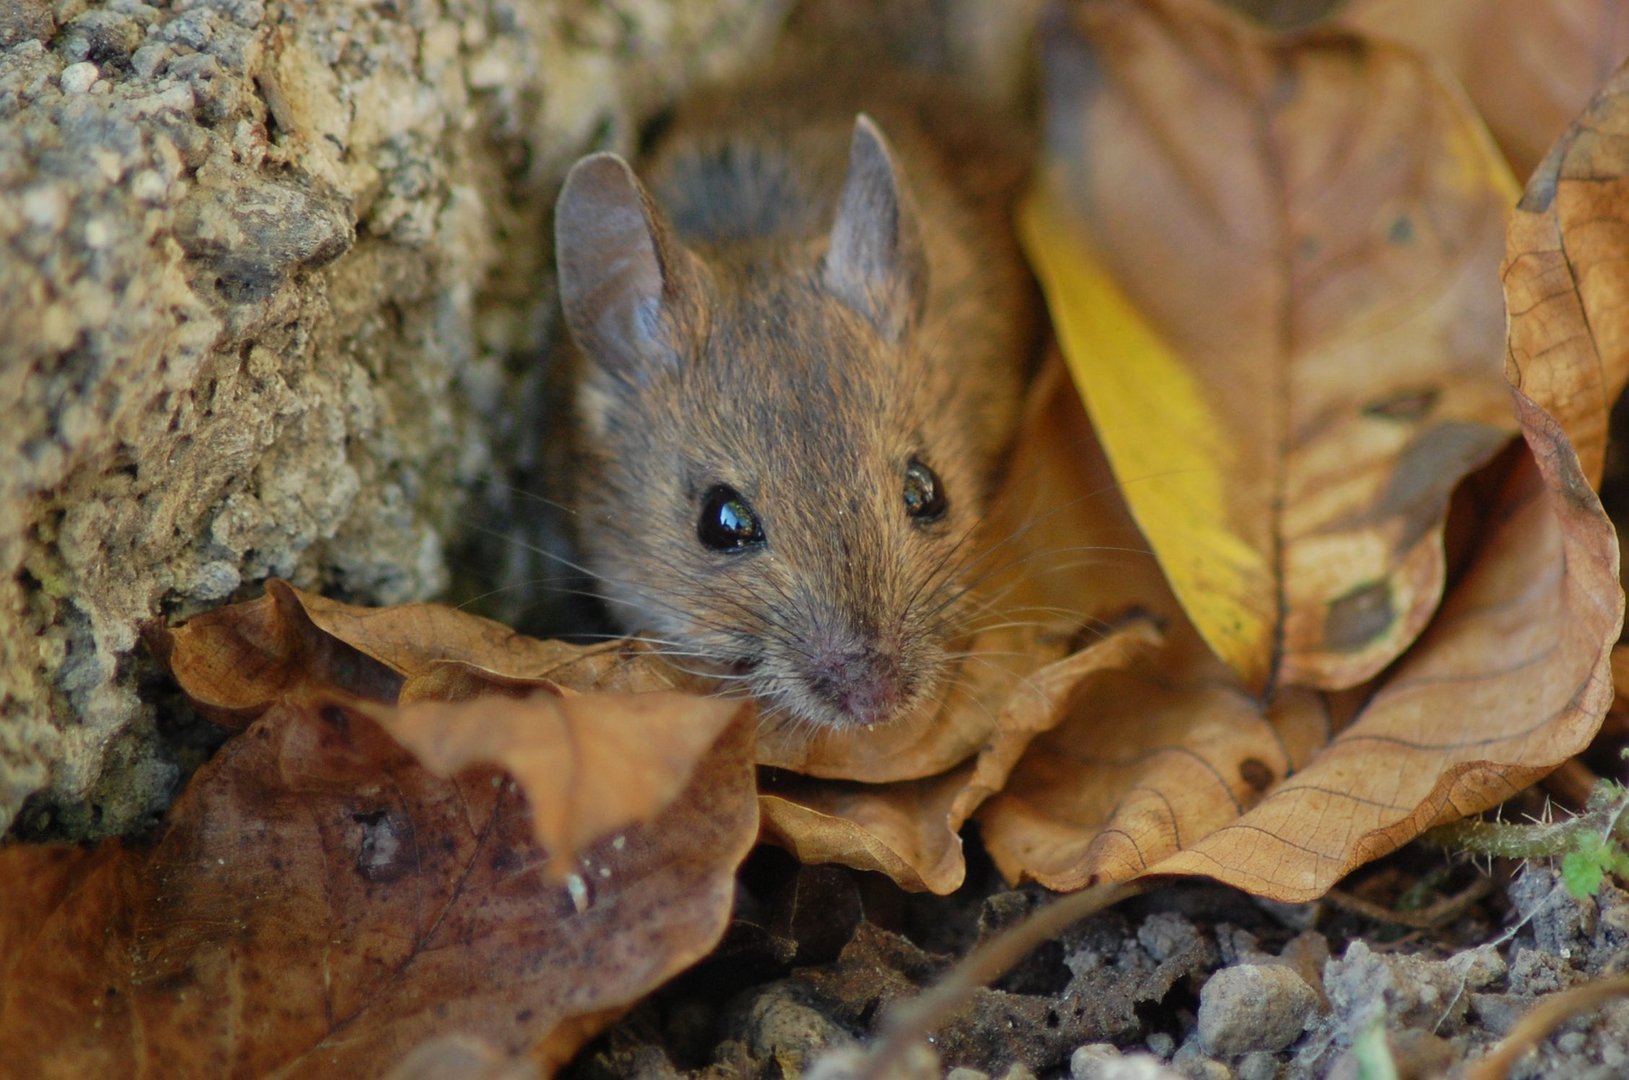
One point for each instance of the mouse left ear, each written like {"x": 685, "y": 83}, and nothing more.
{"x": 875, "y": 262}
{"x": 632, "y": 293}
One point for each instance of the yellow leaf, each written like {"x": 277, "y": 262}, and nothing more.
{"x": 1272, "y": 264}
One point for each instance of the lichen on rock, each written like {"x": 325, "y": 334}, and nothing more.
{"x": 275, "y": 284}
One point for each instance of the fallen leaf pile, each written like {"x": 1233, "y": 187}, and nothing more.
{"x": 1299, "y": 555}
{"x": 398, "y": 846}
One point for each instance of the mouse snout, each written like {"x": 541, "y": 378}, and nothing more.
{"x": 865, "y": 685}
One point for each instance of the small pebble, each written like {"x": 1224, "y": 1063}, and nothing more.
{"x": 961, "y": 1072}
{"x": 1018, "y": 1071}
{"x": 78, "y": 78}
{"x": 1102, "y": 1061}
{"x": 1253, "y": 1007}
{"x": 1258, "y": 1065}
{"x": 1203, "y": 1068}
{"x": 1161, "y": 1044}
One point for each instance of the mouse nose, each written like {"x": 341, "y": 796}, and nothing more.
{"x": 864, "y": 685}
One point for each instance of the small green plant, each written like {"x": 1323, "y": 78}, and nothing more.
{"x": 1590, "y": 845}
{"x": 1592, "y": 857}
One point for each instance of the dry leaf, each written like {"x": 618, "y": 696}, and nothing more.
{"x": 898, "y": 829}
{"x": 1511, "y": 678}
{"x": 1567, "y": 278}
{"x": 910, "y": 830}
{"x": 1276, "y": 294}
{"x": 319, "y": 903}
{"x": 347, "y": 879}
{"x": 1529, "y": 67}
{"x": 1167, "y": 768}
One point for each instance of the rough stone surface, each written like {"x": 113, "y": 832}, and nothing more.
{"x": 779, "y": 1024}
{"x": 275, "y": 283}
{"x": 1253, "y": 1007}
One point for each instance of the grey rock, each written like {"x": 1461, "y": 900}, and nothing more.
{"x": 1498, "y": 1013}
{"x": 963, "y": 1073}
{"x": 1539, "y": 971}
{"x": 1253, "y": 1007}
{"x": 1165, "y": 934}
{"x": 1557, "y": 922}
{"x": 208, "y": 376}
{"x": 1258, "y": 1065}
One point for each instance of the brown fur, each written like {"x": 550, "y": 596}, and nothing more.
{"x": 721, "y": 345}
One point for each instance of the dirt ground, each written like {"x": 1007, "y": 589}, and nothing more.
{"x": 1436, "y": 954}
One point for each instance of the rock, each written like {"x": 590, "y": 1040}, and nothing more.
{"x": 1258, "y": 1065}
{"x": 1253, "y": 1007}
{"x": 963, "y": 1073}
{"x": 78, "y": 78}
{"x": 1557, "y": 922}
{"x": 275, "y": 291}
{"x": 25, "y": 20}
{"x": 778, "y": 1024}
{"x": 1498, "y": 1013}
{"x": 1102, "y": 1061}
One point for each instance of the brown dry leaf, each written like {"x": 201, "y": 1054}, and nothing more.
{"x": 589, "y": 763}
{"x": 318, "y": 903}
{"x": 897, "y": 829}
{"x": 1170, "y": 768}
{"x": 235, "y": 661}
{"x": 1529, "y": 67}
{"x": 1511, "y": 678}
{"x": 910, "y": 830}
{"x": 1277, "y": 296}
{"x": 1567, "y": 278}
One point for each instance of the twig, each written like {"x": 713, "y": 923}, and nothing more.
{"x": 1544, "y": 1018}
{"x": 1426, "y": 918}
{"x": 914, "y": 1019}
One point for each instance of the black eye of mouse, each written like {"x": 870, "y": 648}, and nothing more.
{"x": 727, "y": 521}
{"x": 924, "y": 496}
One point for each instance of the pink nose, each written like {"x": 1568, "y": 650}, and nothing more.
{"x": 866, "y": 687}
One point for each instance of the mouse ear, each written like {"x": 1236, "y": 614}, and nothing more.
{"x": 875, "y": 263}
{"x": 630, "y": 290}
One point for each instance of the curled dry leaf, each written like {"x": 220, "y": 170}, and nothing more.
{"x": 1528, "y": 67}
{"x": 1567, "y": 277}
{"x": 1169, "y": 767}
{"x": 1277, "y": 296}
{"x": 347, "y": 880}
{"x": 910, "y": 830}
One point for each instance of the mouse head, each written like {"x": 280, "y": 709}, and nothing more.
{"x": 771, "y": 479}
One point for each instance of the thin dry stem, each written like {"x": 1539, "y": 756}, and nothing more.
{"x": 913, "y": 1020}
{"x": 1550, "y": 1014}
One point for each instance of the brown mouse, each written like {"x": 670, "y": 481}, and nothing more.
{"x": 802, "y": 341}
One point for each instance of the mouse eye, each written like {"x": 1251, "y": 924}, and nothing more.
{"x": 924, "y": 495}
{"x": 727, "y": 521}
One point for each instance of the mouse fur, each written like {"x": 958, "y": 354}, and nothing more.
{"x": 801, "y": 293}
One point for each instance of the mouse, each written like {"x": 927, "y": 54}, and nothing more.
{"x": 801, "y": 332}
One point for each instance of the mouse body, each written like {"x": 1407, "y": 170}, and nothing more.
{"x": 802, "y": 332}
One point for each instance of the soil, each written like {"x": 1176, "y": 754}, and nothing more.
{"x": 1189, "y": 980}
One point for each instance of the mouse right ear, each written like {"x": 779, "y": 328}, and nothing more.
{"x": 630, "y": 290}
